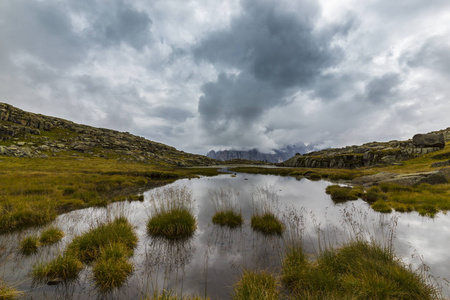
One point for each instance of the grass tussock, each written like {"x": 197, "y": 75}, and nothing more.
{"x": 51, "y": 235}
{"x": 265, "y": 217}
{"x": 358, "y": 270}
{"x": 172, "y": 215}
{"x": 256, "y": 286}
{"x": 229, "y": 218}
{"x": 267, "y": 223}
{"x": 29, "y": 245}
{"x": 227, "y": 210}
{"x": 112, "y": 268}
{"x": 7, "y": 292}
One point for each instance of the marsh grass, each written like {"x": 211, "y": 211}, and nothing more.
{"x": 34, "y": 191}
{"x": 29, "y": 245}
{"x": 265, "y": 205}
{"x": 107, "y": 246}
{"x": 357, "y": 270}
{"x": 254, "y": 285}
{"x": 172, "y": 214}
{"x": 51, "y": 235}
{"x": 7, "y": 292}
{"x": 227, "y": 209}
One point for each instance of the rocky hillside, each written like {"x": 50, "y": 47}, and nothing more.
{"x": 25, "y": 134}
{"x": 374, "y": 153}
{"x": 279, "y": 155}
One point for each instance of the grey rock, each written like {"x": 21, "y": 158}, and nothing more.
{"x": 441, "y": 164}
{"x": 429, "y": 140}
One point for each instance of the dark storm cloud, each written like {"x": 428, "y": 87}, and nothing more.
{"x": 274, "y": 50}
{"x": 434, "y": 54}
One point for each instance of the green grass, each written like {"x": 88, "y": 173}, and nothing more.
{"x": 229, "y": 218}
{"x": 358, "y": 270}
{"x": 87, "y": 246}
{"x": 51, "y": 235}
{"x": 267, "y": 223}
{"x": 29, "y": 245}
{"x": 7, "y": 292}
{"x": 256, "y": 286}
{"x": 64, "y": 266}
{"x": 172, "y": 214}
{"x": 381, "y": 206}
{"x": 112, "y": 268}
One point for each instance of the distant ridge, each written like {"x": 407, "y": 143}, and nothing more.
{"x": 25, "y": 134}
{"x": 278, "y": 156}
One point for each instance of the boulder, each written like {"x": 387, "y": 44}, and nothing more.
{"x": 429, "y": 140}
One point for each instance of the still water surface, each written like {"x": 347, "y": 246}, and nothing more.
{"x": 210, "y": 262}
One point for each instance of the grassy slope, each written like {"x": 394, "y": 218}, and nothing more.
{"x": 34, "y": 191}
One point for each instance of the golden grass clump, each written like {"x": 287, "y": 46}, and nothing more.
{"x": 51, "y": 235}
{"x": 265, "y": 205}
{"x": 227, "y": 209}
{"x": 29, "y": 245}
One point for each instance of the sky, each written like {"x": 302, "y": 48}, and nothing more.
{"x": 229, "y": 74}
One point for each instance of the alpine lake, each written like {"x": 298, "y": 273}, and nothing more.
{"x": 210, "y": 262}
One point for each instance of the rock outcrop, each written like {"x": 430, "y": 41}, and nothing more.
{"x": 429, "y": 140}
{"x": 278, "y": 155}
{"x": 411, "y": 179}
{"x": 25, "y": 134}
{"x": 371, "y": 154}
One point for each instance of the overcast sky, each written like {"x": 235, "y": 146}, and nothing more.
{"x": 202, "y": 75}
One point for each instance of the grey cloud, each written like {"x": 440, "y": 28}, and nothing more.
{"x": 42, "y": 29}
{"x": 433, "y": 54}
{"x": 382, "y": 88}
{"x": 121, "y": 24}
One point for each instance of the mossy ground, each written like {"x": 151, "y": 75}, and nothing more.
{"x": 33, "y": 191}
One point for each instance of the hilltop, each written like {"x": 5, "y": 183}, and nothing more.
{"x": 25, "y": 134}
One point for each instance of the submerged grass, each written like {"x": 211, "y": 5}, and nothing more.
{"x": 172, "y": 214}
{"x": 256, "y": 286}
{"x": 358, "y": 270}
{"x": 170, "y": 295}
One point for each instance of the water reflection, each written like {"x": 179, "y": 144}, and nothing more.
{"x": 210, "y": 262}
